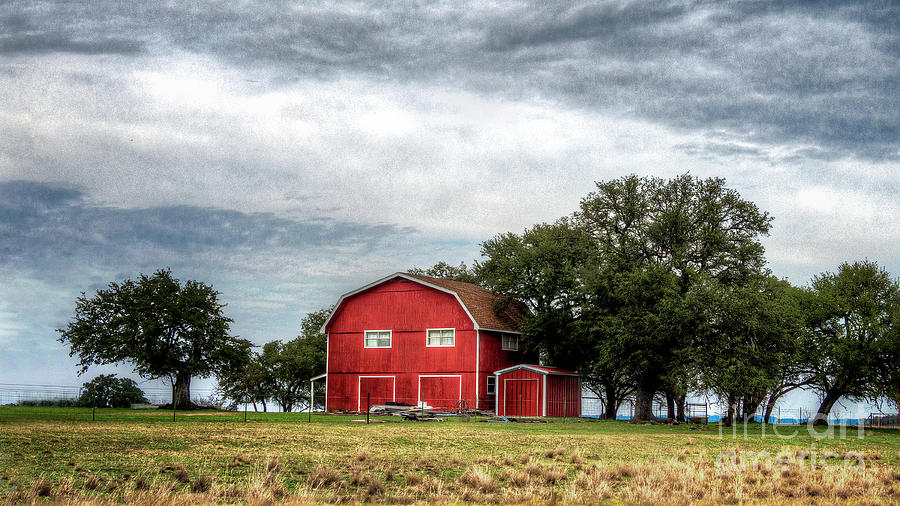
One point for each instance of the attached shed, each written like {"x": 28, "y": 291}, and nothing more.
{"x": 536, "y": 390}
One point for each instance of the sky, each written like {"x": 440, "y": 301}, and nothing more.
{"x": 289, "y": 152}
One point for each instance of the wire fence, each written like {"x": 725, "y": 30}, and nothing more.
{"x": 589, "y": 406}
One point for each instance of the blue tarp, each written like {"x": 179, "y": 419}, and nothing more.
{"x": 758, "y": 419}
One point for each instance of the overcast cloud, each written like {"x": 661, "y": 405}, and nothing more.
{"x": 287, "y": 152}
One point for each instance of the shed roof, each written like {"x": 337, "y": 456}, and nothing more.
{"x": 479, "y": 303}
{"x": 541, "y": 369}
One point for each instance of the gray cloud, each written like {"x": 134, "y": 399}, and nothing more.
{"x": 45, "y": 227}
{"x": 826, "y": 75}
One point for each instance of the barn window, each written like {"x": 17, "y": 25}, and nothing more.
{"x": 378, "y": 339}
{"x": 441, "y": 337}
{"x": 491, "y": 385}
{"x": 510, "y": 342}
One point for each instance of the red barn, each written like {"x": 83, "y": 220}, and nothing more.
{"x": 409, "y": 339}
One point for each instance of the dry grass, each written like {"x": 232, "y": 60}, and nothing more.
{"x": 453, "y": 463}
{"x": 480, "y": 479}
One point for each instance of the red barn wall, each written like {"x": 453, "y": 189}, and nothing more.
{"x": 494, "y": 358}
{"x": 407, "y": 309}
{"x": 563, "y": 396}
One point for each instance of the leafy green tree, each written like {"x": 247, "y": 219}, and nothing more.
{"x": 162, "y": 327}
{"x": 657, "y": 240}
{"x": 107, "y": 391}
{"x": 854, "y": 325}
{"x": 291, "y": 364}
{"x": 551, "y": 268}
{"x": 444, "y": 270}
{"x": 247, "y": 381}
{"x": 750, "y": 332}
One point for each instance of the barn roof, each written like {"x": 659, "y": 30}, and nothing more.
{"x": 542, "y": 369}
{"x": 482, "y": 304}
{"x": 479, "y": 303}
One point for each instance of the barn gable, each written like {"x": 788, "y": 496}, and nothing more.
{"x": 480, "y": 304}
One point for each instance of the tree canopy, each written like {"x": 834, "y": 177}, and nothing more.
{"x": 281, "y": 372}
{"x": 163, "y": 328}
{"x": 108, "y": 391}
{"x": 751, "y": 332}
{"x": 443, "y": 270}
{"x": 854, "y": 322}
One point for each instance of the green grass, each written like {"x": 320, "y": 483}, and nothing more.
{"x": 67, "y": 448}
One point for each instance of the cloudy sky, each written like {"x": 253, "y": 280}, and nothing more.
{"x": 287, "y": 152}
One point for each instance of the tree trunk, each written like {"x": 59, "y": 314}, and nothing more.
{"x": 183, "y": 391}
{"x": 773, "y": 399}
{"x": 681, "y": 404}
{"x": 612, "y": 403}
{"x": 821, "y": 417}
{"x": 729, "y": 413}
{"x": 769, "y": 407}
{"x": 643, "y": 401}
{"x": 264, "y": 405}
{"x": 748, "y": 409}
{"x": 670, "y": 406}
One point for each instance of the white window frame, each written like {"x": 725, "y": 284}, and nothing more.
{"x": 503, "y": 338}
{"x": 428, "y": 331}
{"x": 488, "y": 390}
{"x": 366, "y": 338}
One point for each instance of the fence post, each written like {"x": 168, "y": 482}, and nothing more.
{"x": 245, "y": 409}
{"x": 368, "y": 406}
{"x": 173, "y": 401}
{"x": 564, "y": 406}
{"x": 520, "y": 405}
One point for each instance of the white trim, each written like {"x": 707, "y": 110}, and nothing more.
{"x": 545, "y": 394}
{"x": 488, "y": 384}
{"x": 497, "y": 397}
{"x": 419, "y": 394}
{"x": 504, "y": 331}
{"x": 388, "y": 278}
{"x": 390, "y": 338}
{"x": 327, "y": 361}
{"x": 316, "y": 378}
{"x": 440, "y": 345}
{"x": 359, "y": 389}
{"x": 533, "y": 368}
{"x": 477, "y": 363}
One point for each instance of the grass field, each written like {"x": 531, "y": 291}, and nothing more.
{"x": 143, "y": 457}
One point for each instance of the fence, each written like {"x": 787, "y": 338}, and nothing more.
{"x": 878, "y": 420}
{"x": 62, "y": 395}
{"x": 591, "y": 406}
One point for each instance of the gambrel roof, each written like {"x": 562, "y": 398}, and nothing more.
{"x": 479, "y": 303}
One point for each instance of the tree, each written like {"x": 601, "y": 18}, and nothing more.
{"x": 551, "y": 267}
{"x": 283, "y": 369}
{"x": 751, "y": 331}
{"x": 162, "y": 327}
{"x": 854, "y": 322}
{"x": 107, "y": 391}
{"x": 446, "y": 271}
{"x": 667, "y": 236}
{"x": 247, "y": 381}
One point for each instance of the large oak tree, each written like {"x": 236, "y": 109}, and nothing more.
{"x": 163, "y": 328}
